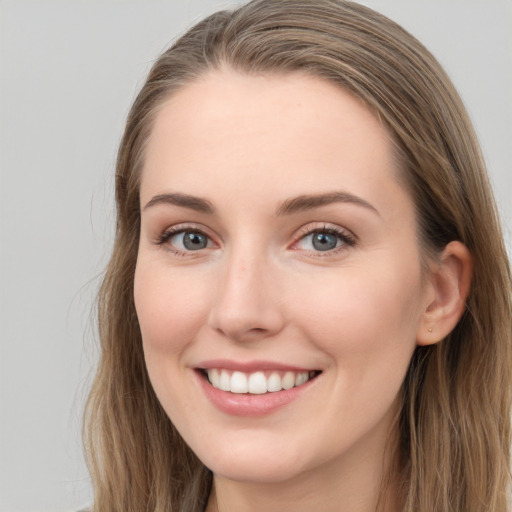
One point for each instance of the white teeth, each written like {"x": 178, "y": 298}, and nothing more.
{"x": 224, "y": 381}
{"x": 214, "y": 377}
{"x": 288, "y": 380}
{"x": 301, "y": 378}
{"x": 239, "y": 383}
{"x": 274, "y": 382}
{"x": 256, "y": 383}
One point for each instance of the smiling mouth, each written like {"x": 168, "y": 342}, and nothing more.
{"x": 256, "y": 383}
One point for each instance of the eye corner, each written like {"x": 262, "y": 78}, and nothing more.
{"x": 194, "y": 240}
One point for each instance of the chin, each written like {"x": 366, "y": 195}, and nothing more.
{"x": 265, "y": 473}
{"x": 254, "y": 464}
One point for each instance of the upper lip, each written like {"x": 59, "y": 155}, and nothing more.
{"x": 250, "y": 366}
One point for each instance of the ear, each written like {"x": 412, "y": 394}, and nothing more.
{"x": 448, "y": 286}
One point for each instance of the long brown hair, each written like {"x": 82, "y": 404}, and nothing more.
{"x": 455, "y": 420}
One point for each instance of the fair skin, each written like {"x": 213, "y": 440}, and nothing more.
{"x": 238, "y": 272}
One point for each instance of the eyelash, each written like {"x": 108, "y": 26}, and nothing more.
{"x": 346, "y": 238}
{"x": 164, "y": 238}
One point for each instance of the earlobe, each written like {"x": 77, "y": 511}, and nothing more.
{"x": 449, "y": 283}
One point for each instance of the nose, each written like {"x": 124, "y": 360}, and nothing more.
{"x": 246, "y": 304}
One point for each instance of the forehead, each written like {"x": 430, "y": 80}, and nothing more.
{"x": 294, "y": 132}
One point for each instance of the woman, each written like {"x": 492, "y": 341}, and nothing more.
{"x": 308, "y": 301}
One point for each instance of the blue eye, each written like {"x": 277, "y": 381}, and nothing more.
{"x": 193, "y": 241}
{"x": 325, "y": 240}
{"x": 185, "y": 240}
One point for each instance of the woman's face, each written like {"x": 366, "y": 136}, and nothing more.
{"x": 277, "y": 249}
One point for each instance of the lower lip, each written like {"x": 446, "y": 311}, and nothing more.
{"x": 245, "y": 404}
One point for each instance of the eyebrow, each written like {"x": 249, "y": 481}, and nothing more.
{"x": 184, "y": 200}
{"x": 308, "y": 202}
{"x": 290, "y": 206}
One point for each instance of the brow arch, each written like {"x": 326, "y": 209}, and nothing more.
{"x": 309, "y": 201}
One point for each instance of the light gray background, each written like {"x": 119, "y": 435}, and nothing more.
{"x": 68, "y": 72}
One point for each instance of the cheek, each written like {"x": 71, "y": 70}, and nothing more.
{"x": 170, "y": 313}
{"x": 170, "y": 310}
{"x": 363, "y": 312}
{"x": 366, "y": 322}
